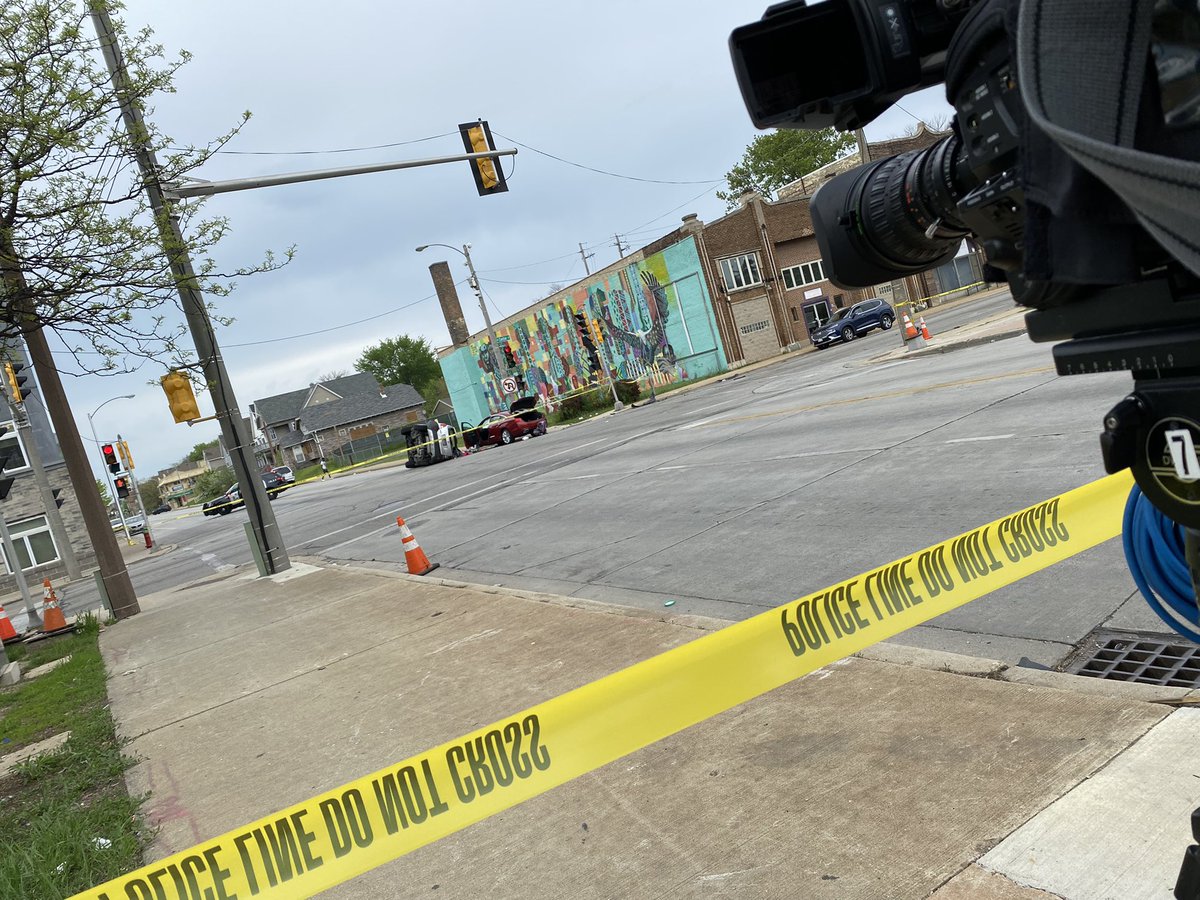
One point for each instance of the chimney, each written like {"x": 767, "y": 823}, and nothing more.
{"x": 443, "y": 283}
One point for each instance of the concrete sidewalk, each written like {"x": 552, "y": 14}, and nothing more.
{"x": 893, "y": 775}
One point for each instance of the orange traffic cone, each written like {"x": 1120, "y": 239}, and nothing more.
{"x": 925, "y": 329}
{"x": 52, "y": 614}
{"x": 910, "y": 330}
{"x": 414, "y": 557}
{"x": 8, "y": 634}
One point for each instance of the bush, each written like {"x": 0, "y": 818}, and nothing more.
{"x": 628, "y": 391}
{"x": 572, "y": 407}
{"x": 214, "y": 483}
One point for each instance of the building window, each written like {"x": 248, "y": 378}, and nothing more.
{"x": 795, "y": 315}
{"x": 839, "y": 300}
{"x": 33, "y": 542}
{"x": 755, "y": 326}
{"x": 298, "y": 454}
{"x": 12, "y": 450}
{"x": 741, "y": 271}
{"x": 803, "y": 274}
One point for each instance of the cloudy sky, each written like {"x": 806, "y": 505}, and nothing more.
{"x": 641, "y": 90}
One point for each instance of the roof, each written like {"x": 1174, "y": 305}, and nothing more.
{"x": 359, "y": 407}
{"x": 287, "y": 407}
{"x": 333, "y": 404}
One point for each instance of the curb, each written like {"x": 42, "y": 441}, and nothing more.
{"x": 893, "y": 654}
{"x": 978, "y": 667}
{"x": 962, "y": 344}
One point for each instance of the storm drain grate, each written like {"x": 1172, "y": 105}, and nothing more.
{"x": 1144, "y": 660}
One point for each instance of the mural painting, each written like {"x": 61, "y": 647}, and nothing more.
{"x": 656, "y": 327}
{"x": 553, "y": 358}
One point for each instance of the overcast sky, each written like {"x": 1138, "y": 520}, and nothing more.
{"x": 641, "y": 89}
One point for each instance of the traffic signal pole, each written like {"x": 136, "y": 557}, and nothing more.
{"x": 267, "y": 539}
{"x": 137, "y": 493}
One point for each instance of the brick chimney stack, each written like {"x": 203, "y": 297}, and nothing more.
{"x": 443, "y": 283}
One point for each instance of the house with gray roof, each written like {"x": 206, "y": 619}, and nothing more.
{"x": 344, "y": 417}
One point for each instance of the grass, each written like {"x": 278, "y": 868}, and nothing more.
{"x": 66, "y": 817}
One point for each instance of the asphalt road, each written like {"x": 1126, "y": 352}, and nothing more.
{"x": 745, "y": 493}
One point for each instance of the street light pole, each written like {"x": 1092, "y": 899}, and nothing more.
{"x": 498, "y": 362}
{"x": 107, "y": 474}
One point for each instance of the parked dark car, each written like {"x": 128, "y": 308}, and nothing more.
{"x": 161, "y": 508}
{"x": 521, "y": 419}
{"x": 430, "y": 442}
{"x": 232, "y": 498}
{"x": 849, "y": 323}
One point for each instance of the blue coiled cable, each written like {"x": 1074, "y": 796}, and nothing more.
{"x": 1156, "y": 551}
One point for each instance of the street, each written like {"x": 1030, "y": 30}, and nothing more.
{"x": 743, "y": 493}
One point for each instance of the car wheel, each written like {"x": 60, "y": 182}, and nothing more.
{"x": 848, "y": 334}
{"x": 505, "y": 437}
{"x": 541, "y": 428}
{"x": 885, "y": 322}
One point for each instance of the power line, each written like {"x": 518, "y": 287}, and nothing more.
{"x": 603, "y": 171}
{"x": 432, "y": 137}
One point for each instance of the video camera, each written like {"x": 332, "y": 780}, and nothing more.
{"x": 1077, "y": 176}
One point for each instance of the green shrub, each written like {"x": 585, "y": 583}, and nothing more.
{"x": 628, "y": 391}
{"x": 572, "y": 407}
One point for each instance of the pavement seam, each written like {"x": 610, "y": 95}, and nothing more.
{"x": 317, "y": 668}
{"x": 938, "y": 660}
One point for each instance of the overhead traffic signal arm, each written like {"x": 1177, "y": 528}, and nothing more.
{"x": 489, "y": 177}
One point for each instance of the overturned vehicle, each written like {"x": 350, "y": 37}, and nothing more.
{"x": 430, "y": 442}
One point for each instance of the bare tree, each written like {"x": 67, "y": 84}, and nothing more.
{"x": 940, "y": 122}
{"x": 80, "y": 253}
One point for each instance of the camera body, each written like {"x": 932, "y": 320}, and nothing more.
{"x": 1100, "y": 271}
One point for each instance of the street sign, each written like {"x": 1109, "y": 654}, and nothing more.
{"x": 509, "y": 385}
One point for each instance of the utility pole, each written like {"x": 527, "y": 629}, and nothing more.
{"x": 114, "y": 577}
{"x": 501, "y": 365}
{"x": 586, "y": 257}
{"x": 620, "y": 247}
{"x": 262, "y": 518}
{"x": 498, "y": 362}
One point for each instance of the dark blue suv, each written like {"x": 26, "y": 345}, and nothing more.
{"x": 849, "y": 323}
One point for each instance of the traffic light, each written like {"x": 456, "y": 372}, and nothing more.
{"x": 121, "y": 483}
{"x": 489, "y": 177}
{"x": 15, "y": 374}
{"x": 509, "y": 356}
{"x": 126, "y": 456}
{"x": 597, "y": 333}
{"x": 110, "y": 458}
{"x": 178, "y": 388}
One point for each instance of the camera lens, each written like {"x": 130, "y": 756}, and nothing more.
{"x": 894, "y": 216}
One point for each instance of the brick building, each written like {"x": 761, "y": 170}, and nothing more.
{"x": 767, "y": 277}
{"x": 36, "y": 549}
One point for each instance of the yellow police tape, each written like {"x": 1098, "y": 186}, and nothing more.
{"x": 335, "y": 836}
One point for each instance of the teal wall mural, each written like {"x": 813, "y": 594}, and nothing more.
{"x": 657, "y": 323}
